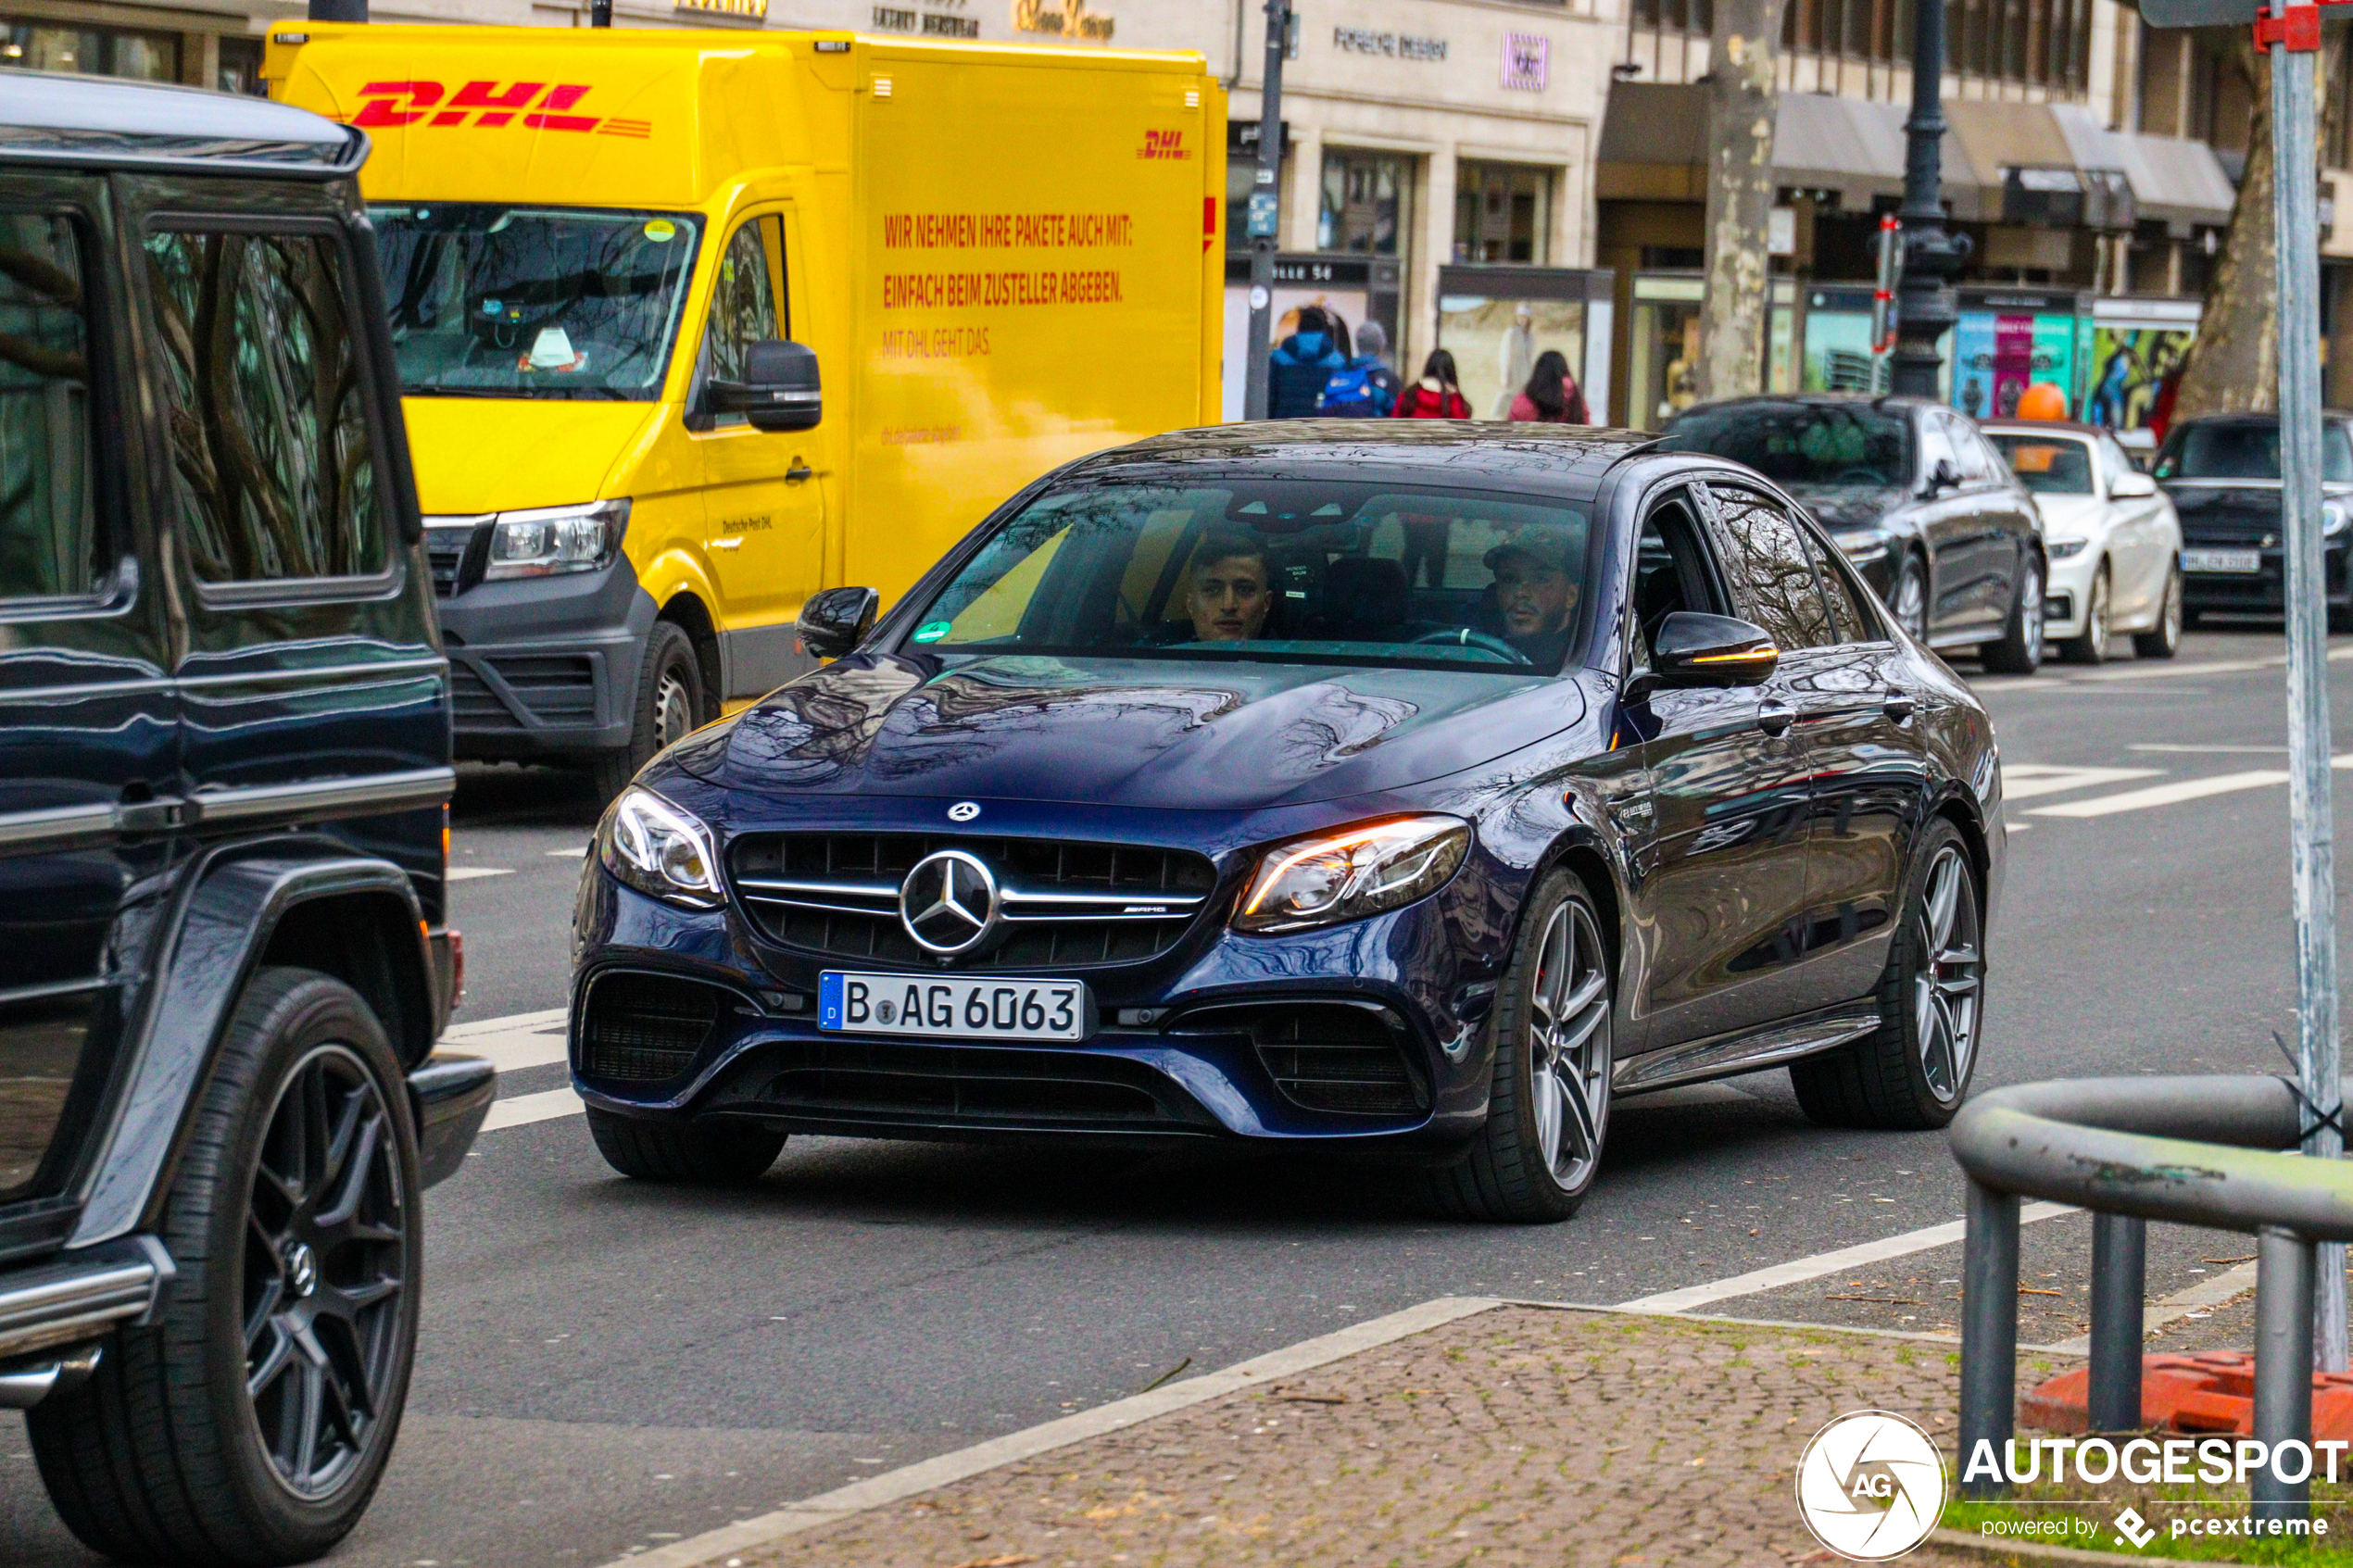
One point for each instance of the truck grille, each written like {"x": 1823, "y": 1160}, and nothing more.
{"x": 447, "y": 541}
{"x": 1066, "y": 905}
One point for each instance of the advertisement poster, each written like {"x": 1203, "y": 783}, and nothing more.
{"x": 1495, "y": 343}
{"x": 1999, "y": 354}
{"x": 1838, "y": 352}
{"x": 2131, "y": 369}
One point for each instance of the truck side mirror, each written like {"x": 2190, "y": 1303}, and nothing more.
{"x": 779, "y": 390}
{"x": 836, "y": 620}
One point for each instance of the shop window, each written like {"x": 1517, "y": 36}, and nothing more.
{"x": 1495, "y": 343}
{"x": 1663, "y": 351}
{"x": 1503, "y": 212}
{"x": 1365, "y": 203}
{"x": 1241, "y": 174}
{"x": 91, "y": 51}
{"x": 240, "y": 67}
{"x": 1697, "y": 17}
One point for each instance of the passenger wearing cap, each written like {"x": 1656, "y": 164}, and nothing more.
{"x": 1534, "y": 593}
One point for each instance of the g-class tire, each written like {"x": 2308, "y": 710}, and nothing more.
{"x": 669, "y": 704}
{"x": 703, "y": 1153}
{"x": 213, "y": 1437}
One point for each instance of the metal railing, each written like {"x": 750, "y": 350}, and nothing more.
{"x": 2187, "y": 1150}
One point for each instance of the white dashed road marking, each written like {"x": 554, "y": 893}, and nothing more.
{"x": 2024, "y": 781}
{"x": 468, "y": 874}
{"x": 519, "y": 1110}
{"x": 2165, "y": 793}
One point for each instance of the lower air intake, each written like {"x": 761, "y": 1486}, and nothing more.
{"x": 1354, "y": 1060}
{"x": 645, "y": 1028}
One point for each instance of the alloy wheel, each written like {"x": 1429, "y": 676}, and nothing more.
{"x": 2171, "y": 623}
{"x": 1950, "y": 981}
{"x": 2095, "y": 617}
{"x": 674, "y": 708}
{"x": 1569, "y": 1047}
{"x": 1911, "y": 601}
{"x": 324, "y": 1272}
{"x": 2031, "y": 609}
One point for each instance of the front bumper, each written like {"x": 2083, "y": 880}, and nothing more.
{"x": 2263, "y": 591}
{"x": 1191, "y": 1045}
{"x": 2067, "y": 592}
{"x": 546, "y": 666}
{"x": 451, "y": 1095}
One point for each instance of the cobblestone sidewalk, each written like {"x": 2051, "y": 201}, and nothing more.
{"x": 1519, "y": 1435}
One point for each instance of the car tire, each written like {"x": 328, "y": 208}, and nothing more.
{"x": 1908, "y": 603}
{"x": 1536, "y": 1158}
{"x": 165, "y": 1455}
{"x": 669, "y": 705}
{"x": 2090, "y": 646}
{"x": 2019, "y": 650}
{"x": 1912, "y": 1072}
{"x": 2164, "y": 639}
{"x": 700, "y": 1153}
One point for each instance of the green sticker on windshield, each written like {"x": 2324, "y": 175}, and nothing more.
{"x": 660, "y": 230}
{"x": 932, "y": 631}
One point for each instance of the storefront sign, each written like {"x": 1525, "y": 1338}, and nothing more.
{"x": 750, "y": 10}
{"x": 1070, "y": 18}
{"x": 1396, "y": 45}
{"x": 1526, "y": 61}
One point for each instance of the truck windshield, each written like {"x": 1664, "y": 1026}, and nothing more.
{"x": 1293, "y": 571}
{"x": 495, "y": 301}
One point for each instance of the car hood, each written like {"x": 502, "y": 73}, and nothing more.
{"x": 1844, "y": 507}
{"x": 2069, "y": 517}
{"x": 1123, "y": 731}
{"x": 496, "y": 454}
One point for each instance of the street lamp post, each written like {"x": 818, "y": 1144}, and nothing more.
{"x": 1933, "y": 255}
{"x": 1263, "y": 212}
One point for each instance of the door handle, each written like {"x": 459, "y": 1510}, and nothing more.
{"x": 1900, "y": 706}
{"x": 1774, "y": 716}
{"x": 799, "y": 471}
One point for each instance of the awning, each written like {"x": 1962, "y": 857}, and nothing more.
{"x": 1654, "y": 145}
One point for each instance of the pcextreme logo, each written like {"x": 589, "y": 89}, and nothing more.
{"x": 1165, "y": 144}
{"x": 536, "y": 106}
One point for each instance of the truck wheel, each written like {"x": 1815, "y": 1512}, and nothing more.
{"x": 669, "y": 707}
{"x": 251, "y": 1422}
{"x": 708, "y": 1154}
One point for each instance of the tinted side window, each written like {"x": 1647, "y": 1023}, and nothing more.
{"x": 1772, "y": 580}
{"x": 1847, "y": 618}
{"x": 48, "y": 522}
{"x": 1979, "y": 466}
{"x": 743, "y": 305}
{"x": 273, "y": 467}
{"x": 1936, "y": 446}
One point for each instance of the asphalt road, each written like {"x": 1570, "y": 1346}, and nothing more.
{"x": 606, "y": 1365}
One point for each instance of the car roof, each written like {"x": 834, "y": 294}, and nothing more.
{"x": 2265, "y": 421}
{"x": 99, "y": 122}
{"x": 1535, "y": 456}
{"x": 1820, "y": 401}
{"x": 2044, "y": 427}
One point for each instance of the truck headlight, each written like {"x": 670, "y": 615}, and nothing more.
{"x": 1352, "y": 873}
{"x": 659, "y": 850}
{"x": 2065, "y": 549}
{"x": 542, "y": 540}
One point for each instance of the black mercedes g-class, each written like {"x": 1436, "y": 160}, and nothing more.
{"x": 224, "y": 769}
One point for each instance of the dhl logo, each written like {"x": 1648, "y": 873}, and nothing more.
{"x": 538, "y": 106}
{"x": 1163, "y": 144}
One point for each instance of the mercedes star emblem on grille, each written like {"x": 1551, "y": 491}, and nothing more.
{"x": 948, "y": 902}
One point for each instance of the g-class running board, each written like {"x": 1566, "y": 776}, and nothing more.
{"x": 67, "y": 1303}
{"x": 1728, "y": 1054}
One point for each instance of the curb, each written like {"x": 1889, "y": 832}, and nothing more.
{"x": 943, "y": 1469}
{"x": 1990, "y": 1550}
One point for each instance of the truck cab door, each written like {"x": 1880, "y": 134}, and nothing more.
{"x": 763, "y": 517}
{"x": 88, "y": 728}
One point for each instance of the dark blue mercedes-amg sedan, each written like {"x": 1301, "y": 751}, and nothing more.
{"x": 1426, "y": 786}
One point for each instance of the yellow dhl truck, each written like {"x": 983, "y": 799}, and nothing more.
{"x": 691, "y": 324}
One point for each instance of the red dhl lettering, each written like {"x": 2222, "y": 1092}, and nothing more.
{"x": 486, "y": 106}
{"x": 1163, "y": 144}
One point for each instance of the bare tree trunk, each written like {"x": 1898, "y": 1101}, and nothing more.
{"x": 2233, "y": 366}
{"x": 1742, "y": 98}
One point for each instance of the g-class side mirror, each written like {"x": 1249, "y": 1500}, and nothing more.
{"x": 836, "y": 620}
{"x": 780, "y": 389}
{"x": 1693, "y": 649}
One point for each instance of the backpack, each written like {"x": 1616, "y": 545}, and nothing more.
{"x": 1352, "y": 392}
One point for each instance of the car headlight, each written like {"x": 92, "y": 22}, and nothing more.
{"x": 2065, "y": 549}
{"x": 1352, "y": 873}
{"x": 659, "y": 850}
{"x": 542, "y": 540}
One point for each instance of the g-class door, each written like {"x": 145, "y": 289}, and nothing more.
{"x": 88, "y": 731}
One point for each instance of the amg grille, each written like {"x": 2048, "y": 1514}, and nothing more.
{"x": 645, "y": 1028}
{"x": 1328, "y": 1056}
{"x": 1066, "y": 905}
{"x": 877, "y": 1083}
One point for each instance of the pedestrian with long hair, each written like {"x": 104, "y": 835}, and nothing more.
{"x": 1438, "y": 395}
{"x": 1552, "y": 396}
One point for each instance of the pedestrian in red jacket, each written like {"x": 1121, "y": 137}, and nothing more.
{"x": 1437, "y": 395}
{"x": 1551, "y": 396}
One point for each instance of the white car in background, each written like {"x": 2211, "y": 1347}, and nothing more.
{"x": 2111, "y": 537}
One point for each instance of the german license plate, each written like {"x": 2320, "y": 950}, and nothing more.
{"x": 942, "y": 1008}
{"x": 2222, "y": 560}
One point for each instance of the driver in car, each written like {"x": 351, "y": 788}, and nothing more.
{"x": 1228, "y": 597}
{"x": 1534, "y": 593}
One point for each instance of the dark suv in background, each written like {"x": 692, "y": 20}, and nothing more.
{"x": 224, "y": 763}
{"x": 1914, "y": 495}
{"x": 2224, "y": 474}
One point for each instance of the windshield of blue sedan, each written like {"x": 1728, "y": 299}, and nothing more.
{"x": 1852, "y": 444}
{"x": 494, "y": 301}
{"x": 2226, "y": 450}
{"x": 1281, "y": 570}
